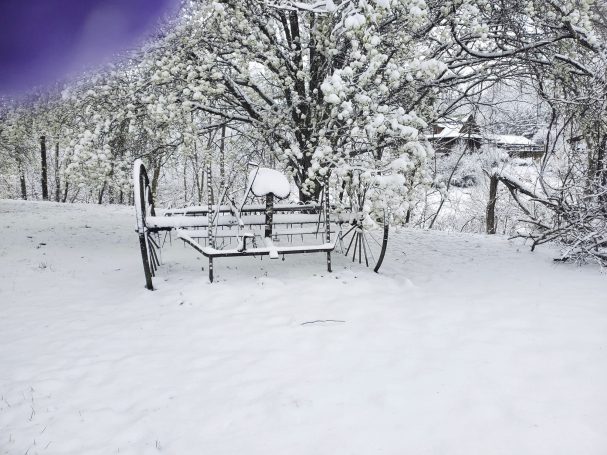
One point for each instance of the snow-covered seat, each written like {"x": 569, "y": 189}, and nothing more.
{"x": 264, "y": 181}
{"x": 227, "y": 230}
{"x": 269, "y": 183}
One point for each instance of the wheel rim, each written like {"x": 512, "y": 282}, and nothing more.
{"x": 365, "y": 242}
{"x": 149, "y": 245}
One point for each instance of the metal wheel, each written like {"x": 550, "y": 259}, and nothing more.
{"x": 149, "y": 243}
{"x": 364, "y": 221}
{"x": 365, "y": 240}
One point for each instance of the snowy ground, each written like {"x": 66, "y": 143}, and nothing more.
{"x": 463, "y": 345}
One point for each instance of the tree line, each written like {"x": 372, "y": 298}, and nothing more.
{"x": 330, "y": 91}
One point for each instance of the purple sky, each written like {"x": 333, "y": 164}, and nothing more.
{"x": 42, "y": 41}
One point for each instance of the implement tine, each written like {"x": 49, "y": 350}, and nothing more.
{"x": 350, "y": 244}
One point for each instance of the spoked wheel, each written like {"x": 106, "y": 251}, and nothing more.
{"x": 149, "y": 242}
{"x": 365, "y": 240}
{"x": 364, "y": 220}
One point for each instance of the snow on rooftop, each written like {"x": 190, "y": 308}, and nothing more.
{"x": 511, "y": 139}
{"x": 449, "y": 131}
{"x": 452, "y": 131}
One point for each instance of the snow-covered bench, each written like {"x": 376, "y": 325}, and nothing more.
{"x": 228, "y": 231}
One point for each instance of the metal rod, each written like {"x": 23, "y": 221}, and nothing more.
{"x": 350, "y": 244}
{"x": 210, "y": 215}
{"x": 327, "y": 222}
{"x": 365, "y": 250}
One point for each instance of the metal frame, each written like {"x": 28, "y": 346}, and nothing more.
{"x": 150, "y": 248}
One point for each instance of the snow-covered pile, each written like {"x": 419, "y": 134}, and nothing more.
{"x": 264, "y": 181}
{"x": 462, "y": 345}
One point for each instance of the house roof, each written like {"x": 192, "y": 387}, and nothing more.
{"x": 452, "y": 131}
{"x": 511, "y": 139}
{"x": 456, "y": 126}
{"x": 448, "y": 130}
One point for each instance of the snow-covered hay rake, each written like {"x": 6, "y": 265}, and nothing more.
{"x": 266, "y": 229}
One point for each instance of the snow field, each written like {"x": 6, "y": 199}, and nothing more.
{"x": 464, "y": 344}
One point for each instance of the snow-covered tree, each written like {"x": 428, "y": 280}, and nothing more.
{"x": 325, "y": 88}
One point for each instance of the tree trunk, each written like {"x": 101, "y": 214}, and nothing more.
{"x": 197, "y": 179}
{"x": 185, "y": 182}
{"x": 101, "y": 193}
{"x": 73, "y": 198}
{"x": 155, "y": 178}
{"x": 44, "y": 179}
{"x": 601, "y": 170}
{"x": 222, "y": 160}
{"x": 202, "y": 185}
{"x": 110, "y": 195}
{"x": 601, "y": 173}
{"x": 22, "y": 181}
{"x": 65, "y": 189}
{"x": 491, "y": 224}
{"x": 57, "y": 178}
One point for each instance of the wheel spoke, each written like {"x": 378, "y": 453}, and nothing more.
{"x": 151, "y": 239}
{"x": 365, "y": 250}
{"x": 350, "y": 244}
{"x": 370, "y": 250}
{"x": 376, "y": 241}
{"x": 153, "y": 260}
{"x": 349, "y": 230}
{"x": 154, "y": 256}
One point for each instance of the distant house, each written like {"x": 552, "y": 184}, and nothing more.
{"x": 455, "y": 131}
{"x": 463, "y": 131}
{"x": 518, "y": 146}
